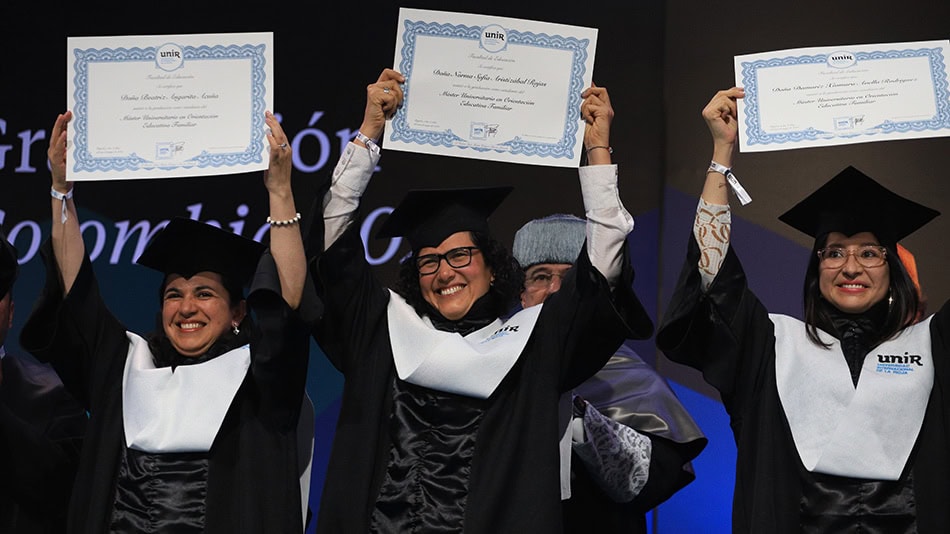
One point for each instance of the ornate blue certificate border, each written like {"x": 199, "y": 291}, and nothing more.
{"x": 83, "y": 161}
{"x": 940, "y": 120}
{"x": 563, "y": 148}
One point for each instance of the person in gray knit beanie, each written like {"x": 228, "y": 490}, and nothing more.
{"x": 546, "y": 248}
{"x": 628, "y": 442}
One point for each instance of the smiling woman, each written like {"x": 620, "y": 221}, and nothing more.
{"x": 449, "y": 419}
{"x": 203, "y": 424}
{"x": 456, "y": 261}
{"x": 197, "y": 310}
{"x": 841, "y": 417}
{"x": 202, "y": 294}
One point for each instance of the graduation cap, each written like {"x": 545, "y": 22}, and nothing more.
{"x": 852, "y": 202}
{"x": 9, "y": 268}
{"x": 426, "y": 217}
{"x": 186, "y": 247}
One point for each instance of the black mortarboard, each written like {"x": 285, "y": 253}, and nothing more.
{"x": 852, "y": 202}
{"x": 8, "y": 265}
{"x": 186, "y": 247}
{"x": 425, "y": 217}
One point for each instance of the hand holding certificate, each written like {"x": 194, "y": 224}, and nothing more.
{"x": 845, "y": 94}
{"x": 491, "y": 88}
{"x": 168, "y": 105}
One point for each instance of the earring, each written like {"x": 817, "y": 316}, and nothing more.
{"x": 890, "y": 298}
{"x": 235, "y": 329}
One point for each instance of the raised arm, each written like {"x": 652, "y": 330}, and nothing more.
{"x": 68, "y": 247}
{"x": 286, "y": 244}
{"x": 352, "y": 173}
{"x": 721, "y": 118}
{"x": 608, "y": 222}
{"x": 713, "y": 218}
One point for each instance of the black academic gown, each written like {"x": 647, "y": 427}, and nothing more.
{"x": 514, "y": 479}
{"x": 727, "y": 334}
{"x": 631, "y": 392}
{"x": 253, "y": 473}
{"x": 41, "y": 430}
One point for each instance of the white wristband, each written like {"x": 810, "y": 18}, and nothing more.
{"x": 63, "y": 197}
{"x": 737, "y": 188}
{"x": 370, "y": 144}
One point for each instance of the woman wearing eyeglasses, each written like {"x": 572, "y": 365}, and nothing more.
{"x": 449, "y": 413}
{"x": 840, "y": 418}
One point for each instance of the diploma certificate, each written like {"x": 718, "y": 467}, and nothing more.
{"x": 844, "y": 94}
{"x": 491, "y": 88}
{"x": 167, "y": 106}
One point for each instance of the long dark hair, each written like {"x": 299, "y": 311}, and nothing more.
{"x": 902, "y": 292}
{"x": 509, "y": 278}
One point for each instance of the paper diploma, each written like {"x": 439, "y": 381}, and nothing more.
{"x": 843, "y": 94}
{"x": 164, "y": 106}
{"x": 491, "y": 87}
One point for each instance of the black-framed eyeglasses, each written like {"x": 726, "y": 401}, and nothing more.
{"x": 866, "y": 255}
{"x": 457, "y": 258}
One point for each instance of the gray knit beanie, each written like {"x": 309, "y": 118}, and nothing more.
{"x": 552, "y": 239}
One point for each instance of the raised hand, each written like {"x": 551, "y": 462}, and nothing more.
{"x": 383, "y": 98}
{"x": 597, "y": 114}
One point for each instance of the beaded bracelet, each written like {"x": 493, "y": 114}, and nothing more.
{"x": 286, "y": 222}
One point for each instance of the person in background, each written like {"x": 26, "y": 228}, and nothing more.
{"x": 841, "y": 418}
{"x": 41, "y": 430}
{"x": 449, "y": 413}
{"x": 629, "y": 441}
{"x": 196, "y": 426}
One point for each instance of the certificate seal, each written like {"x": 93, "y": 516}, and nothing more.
{"x": 169, "y": 57}
{"x": 493, "y": 38}
{"x": 841, "y": 60}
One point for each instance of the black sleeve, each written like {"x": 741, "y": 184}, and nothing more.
{"x": 280, "y": 350}
{"x": 355, "y": 301}
{"x": 41, "y": 433}
{"x": 715, "y": 330}
{"x": 76, "y": 333}
{"x": 587, "y": 321}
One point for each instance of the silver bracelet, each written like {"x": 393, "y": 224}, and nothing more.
{"x": 609, "y": 150}
{"x": 63, "y": 197}
{"x": 286, "y": 222}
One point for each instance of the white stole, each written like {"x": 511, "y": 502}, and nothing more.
{"x": 181, "y": 410}
{"x": 472, "y": 365}
{"x": 565, "y": 418}
{"x": 864, "y": 432}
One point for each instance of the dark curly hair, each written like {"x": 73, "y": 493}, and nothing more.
{"x": 901, "y": 311}
{"x": 509, "y": 278}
